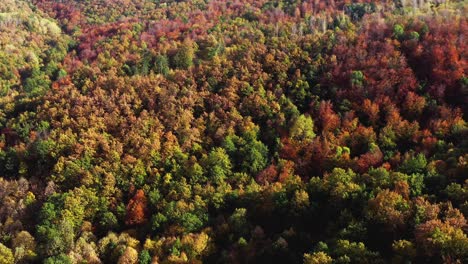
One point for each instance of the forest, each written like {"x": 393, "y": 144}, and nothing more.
{"x": 233, "y": 131}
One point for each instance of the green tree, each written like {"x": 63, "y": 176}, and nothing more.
{"x": 36, "y": 83}
{"x": 108, "y": 221}
{"x": 357, "y": 78}
{"x": 157, "y": 220}
{"x": 183, "y": 59}
{"x": 254, "y": 153}
{"x": 303, "y": 129}
{"x": 414, "y": 164}
{"x": 405, "y": 251}
{"x": 342, "y": 184}
{"x": 144, "y": 257}
{"x": 218, "y": 165}
{"x": 161, "y": 65}
{"x": 191, "y": 222}
{"x": 238, "y": 221}
{"x": 398, "y": 31}
{"x": 317, "y": 258}
{"x": 59, "y": 259}
{"x": 6, "y": 255}
{"x": 249, "y": 154}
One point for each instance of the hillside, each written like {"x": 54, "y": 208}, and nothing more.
{"x": 235, "y": 131}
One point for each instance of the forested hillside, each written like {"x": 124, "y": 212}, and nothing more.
{"x": 233, "y": 131}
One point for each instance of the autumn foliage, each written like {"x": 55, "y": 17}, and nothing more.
{"x": 246, "y": 131}
{"x": 137, "y": 209}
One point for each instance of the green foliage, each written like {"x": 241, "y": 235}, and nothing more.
{"x": 144, "y": 257}
{"x": 161, "y": 65}
{"x": 398, "y": 31}
{"x": 249, "y": 154}
{"x": 191, "y": 222}
{"x": 414, "y": 35}
{"x": 404, "y": 249}
{"x": 357, "y": 78}
{"x": 351, "y": 252}
{"x": 416, "y": 182}
{"x": 242, "y": 242}
{"x": 108, "y": 221}
{"x": 157, "y": 221}
{"x": 457, "y": 192}
{"x": 6, "y": 255}
{"x": 317, "y": 258}
{"x": 452, "y": 242}
{"x": 59, "y": 259}
{"x": 184, "y": 57}
{"x": 357, "y": 10}
{"x": 414, "y": 164}
{"x": 238, "y": 221}
{"x": 303, "y": 129}
{"x": 342, "y": 184}
{"x": 36, "y": 83}
{"x": 218, "y": 165}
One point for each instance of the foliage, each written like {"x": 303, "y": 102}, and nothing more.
{"x": 233, "y": 131}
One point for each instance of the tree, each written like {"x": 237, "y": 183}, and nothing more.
{"x": 54, "y": 239}
{"x": 218, "y": 165}
{"x": 144, "y": 257}
{"x": 183, "y": 59}
{"x": 303, "y": 129}
{"x": 157, "y": 220}
{"x": 238, "y": 221}
{"x": 357, "y": 78}
{"x": 254, "y": 154}
{"x": 36, "y": 83}
{"x": 317, "y": 258}
{"x": 161, "y": 65}
{"x": 404, "y": 249}
{"x": 414, "y": 164}
{"x": 354, "y": 252}
{"x": 137, "y": 209}
{"x": 443, "y": 239}
{"x": 108, "y": 221}
{"x": 6, "y": 255}
{"x": 129, "y": 256}
{"x": 341, "y": 184}
{"x": 25, "y": 246}
{"x": 389, "y": 208}
{"x": 329, "y": 120}
{"x": 398, "y": 31}
{"x": 357, "y": 10}
{"x": 59, "y": 259}
{"x": 191, "y": 222}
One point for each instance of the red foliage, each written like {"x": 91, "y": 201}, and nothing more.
{"x": 268, "y": 175}
{"x": 316, "y": 159}
{"x": 413, "y": 105}
{"x": 289, "y": 150}
{"x": 371, "y": 110}
{"x": 440, "y": 55}
{"x": 287, "y": 169}
{"x": 373, "y": 158}
{"x": 386, "y": 73}
{"x": 137, "y": 209}
{"x": 328, "y": 119}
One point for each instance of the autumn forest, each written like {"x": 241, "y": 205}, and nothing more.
{"x": 233, "y": 131}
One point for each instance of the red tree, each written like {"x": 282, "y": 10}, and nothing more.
{"x": 137, "y": 209}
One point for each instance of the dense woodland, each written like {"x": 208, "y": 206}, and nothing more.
{"x": 233, "y": 131}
